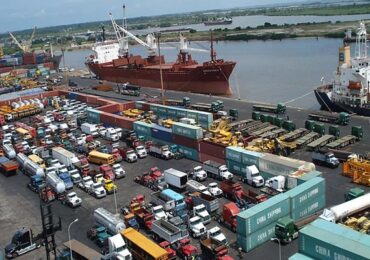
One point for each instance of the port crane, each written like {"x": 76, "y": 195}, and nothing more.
{"x": 25, "y": 46}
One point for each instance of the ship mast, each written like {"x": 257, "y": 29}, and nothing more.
{"x": 213, "y": 53}
{"x": 361, "y": 42}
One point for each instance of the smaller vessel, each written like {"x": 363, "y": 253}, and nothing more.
{"x": 350, "y": 90}
{"x": 219, "y": 21}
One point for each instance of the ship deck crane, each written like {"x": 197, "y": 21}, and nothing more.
{"x": 26, "y": 47}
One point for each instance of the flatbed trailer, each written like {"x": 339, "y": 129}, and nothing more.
{"x": 322, "y": 141}
{"x": 327, "y": 117}
{"x": 342, "y": 156}
{"x": 342, "y": 142}
{"x": 291, "y": 136}
{"x": 278, "y": 109}
{"x": 81, "y": 251}
{"x": 273, "y": 134}
{"x": 255, "y": 127}
{"x": 308, "y": 138}
{"x": 239, "y": 126}
{"x": 264, "y": 130}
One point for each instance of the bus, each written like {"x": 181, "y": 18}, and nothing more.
{"x": 37, "y": 159}
{"x": 100, "y": 158}
{"x": 141, "y": 247}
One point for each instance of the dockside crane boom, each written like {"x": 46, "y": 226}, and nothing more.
{"x": 16, "y": 41}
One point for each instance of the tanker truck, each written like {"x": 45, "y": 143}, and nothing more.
{"x": 111, "y": 222}
{"x": 339, "y": 212}
{"x": 55, "y": 183}
{"x": 31, "y": 168}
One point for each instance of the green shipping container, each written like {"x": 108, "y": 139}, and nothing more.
{"x": 180, "y": 112}
{"x": 192, "y": 115}
{"x": 172, "y": 113}
{"x": 154, "y": 108}
{"x": 257, "y": 238}
{"x": 334, "y": 242}
{"x": 305, "y": 192}
{"x": 299, "y": 256}
{"x": 162, "y": 110}
{"x": 308, "y": 176}
{"x": 205, "y": 125}
{"x": 308, "y": 208}
{"x": 234, "y": 153}
{"x": 251, "y": 157}
{"x": 193, "y": 132}
{"x": 93, "y": 116}
{"x": 256, "y": 115}
{"x": 205, "y": 117}
{"x": 253, "y": 219}
{"x": 142, "y": 128}
{"x": 189, "y": 153}
{"x": 236, "y": 168}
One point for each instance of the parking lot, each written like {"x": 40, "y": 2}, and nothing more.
{"x": 19, "y": 206}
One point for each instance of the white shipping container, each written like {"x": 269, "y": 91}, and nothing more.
{"x": 280, "y": 165}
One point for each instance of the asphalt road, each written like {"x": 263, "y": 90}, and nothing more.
{"x": 20, "y": 207}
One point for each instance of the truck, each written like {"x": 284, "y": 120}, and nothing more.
{"x": 90, "y": 129}
{"x": 216, "y": 234}
{"x": 278, "y": 109}
{"x": 194, "y": 186}
{"x": 141, "y": 151}
{"x": 53, "y": 180}
{"x": 325, "y": 158}
{"x": 111, "y": 222}
{"x": 7, "y": 167}
{"x": 286, "y": 229}
{"x": 234, "y": 191}
{"x": 66, "y": 178}
{"x": 107, "y": 172}
{"x": 196, "y": 227}
{"x": 37, "y": 183}
{"x": 217, "y": 170}
{"x": 9, "y": 151}
{"x": 160, "y": 152}
{"x": 211, "y": 203}
{"x": 118, "y": 171}
{"x": 72, "y": 200}
{"x": 64, "y": 156}
{"x": 97, "y": 190}
{"x": 99, "y": 235}
{"x": 228, "y": 215}
{"x": 75, "y": 176}
{"x": 162, "y": 229}
{"x": 339, "y": 212}
{"x": 128, "y": 89}
{"x": 275, "y": 185}
{"x": 175, "y": 178}
{"x": 214, "y": 251}
{"x": 198, "y": 173}
{"x": 252, "y": 177}
{"x": 128, "y": 154}
{"x": 184, "y": 102}
{"x": 111, "y": 134}
{"x": 23, "y": 241}
{"x": 341, "y": 118}
{"x": 158, "y": 212}
{"x": 201, "y": 211}
{"x": 354, "y": 193}
{"x": 143, "y": 216}
{"x": 86, "y": 183}
{"x": 214, "y": 190}
{"x": 171, "y": 201}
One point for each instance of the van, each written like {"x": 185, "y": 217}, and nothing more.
{"x": 100, "y": 158}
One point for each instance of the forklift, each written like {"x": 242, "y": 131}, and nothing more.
{"x": 23, "y": 241}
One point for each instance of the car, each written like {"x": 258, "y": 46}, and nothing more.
{"x": 72, "y": 200}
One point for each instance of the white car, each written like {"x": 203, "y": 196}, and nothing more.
{"x": 72, "y": 200}
{"x": 216, "y": 234}
{"x": 214, "y": 189}
{"x": 141, "y": 151}
{"x": 118, "y": 171}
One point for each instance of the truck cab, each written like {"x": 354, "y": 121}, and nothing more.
{"x": 97, "y": 190}
{"x": 277, "y": 183}
{"x": 214, "y": 190}
{"x": 118, "y": 248}
{"x": 107, "y": 172}
{"x": 228, "y": 216}
{"x": 216, "y": 234}
{"x": 75, "y": 176}
{"x": 158, "y": 212}
{"x": 199, "y": 174}
{"x": 196, "y": 227}
{"x": 201, "y": 211}
{"x": 141, "y": 151}
{"x": 109, "y": 186}
{"x": 86, "y": 183}
{"x": 354, "y": 193}
{"x": 286, "y": 230}
{"x": 72, "y": 200}
{"x": 128, "y": 155}
{"x": 253, "y": 177}
{"x": 37, "y": 183}
{"x": 118, "y": 171}
{"x": 22, "y": 242}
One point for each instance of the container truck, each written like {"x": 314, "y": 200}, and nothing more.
{"x": 111, "y": 222}
{"x": 333, "y": 118}
{"x": 253, "y": 177}
{"x": 228, "y": 215}
{"x": 217, "y": 170}
{"x": 210, "y": 202}
{"x": 278, "y": 109}
{"x": 163, "y": 229}
{"x": 325, "y": 158}
{"x": 175, "y": 178}
{"x": 55, "y": 183}
{"x": 160, "y": 152}
{"x": 7, "y": 167}
{"x": 64, "y": 156}
{"x": 341, "y": 211}
{"x": 90, "y": 129}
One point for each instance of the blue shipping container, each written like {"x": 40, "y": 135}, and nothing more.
{"x": 161, "y": 133}
{"x": 189, "y": 153}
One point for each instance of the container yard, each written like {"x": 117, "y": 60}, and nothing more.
{"x": 82, "y": 140}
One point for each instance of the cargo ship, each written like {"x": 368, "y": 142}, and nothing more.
{"x": 219, "y": 21}
{"x": 349, "y": 91}
{"x": 111, "y": 61}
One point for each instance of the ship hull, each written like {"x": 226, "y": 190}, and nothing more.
{"x": 217, "y": 23}
{"x": 322, "y": 96}
{"x": 202, "y": 79}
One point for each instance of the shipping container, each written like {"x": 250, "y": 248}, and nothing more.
{"x": 93, "y": 116}
{"x": 236, "y": 168}
{"x": 299, "y": 256}
{"x": 142, "y": 128}
{"x": 117, "y": 121}
{"x": 213, "y": 149}
{"x": 205, "y": 125}
{"x": 161, "y": 133}
{"x": 305, "y": 192}
{"x": 205, "y": 117}
{"x": 193, "y": 132}
{"x": 257, "y": 238}
{"x": 308, "y": 176}
{"x": 139, "y": 104}
{"x": 192, "y": 115}
{"x": 205, "y": 157}
{"x": 189, "y": 153}
{"x": 171, "y": 112}
{"x": 180, "y": 112}
{"x": 234, "y": 153}
{"x": 251, "y": 157}
{"x": 326, "y": 240}
{"x": 185, "y": 141}
{"x": 260, "y": 215}
{"x": 308, "y": 208}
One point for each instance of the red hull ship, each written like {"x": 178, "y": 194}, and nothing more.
{"x": 111, "y": 61}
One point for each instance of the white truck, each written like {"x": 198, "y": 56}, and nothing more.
{"x": 141, "y": 151}
{"x": 86, "y": 183}
{"x": 9, "y": 151}
{"x": 325, "y": 158}
{"x": 194, "y": 186}
{"x": 97, "y": 190}
{"x": 198, "y": 173}
{"x": 216, "y": 234}
{"x": 55, "y": 183}
{"x": 158, "y": 212}
{"x": 72, "y": 200}
{"x": 196, "y": 227}
{"x": 252, "y": 177}
{"x": 64, "y": 156}
{"x": 214, "y": 190}
{"x": 117, "y": 249}
{"x": 175, "y": 178}
{"x": 276, "y": 183}
{"x": 161, "y": 152}
{"x": 201, "y": 211}
{"x": 118, "y": 171}
{"x": 114, "y": 224}
{"x": 111, "y": 134}
{"x": 75, "y": 176}
{"x": 217, "y": 170}
{"x": 90, "y": 129}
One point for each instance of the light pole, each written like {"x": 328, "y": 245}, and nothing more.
{"x": 158, "y": 34}
{"x": 278, "y": 240}
{"x": 69, "y": 236}
{"x": 115, "y": 200}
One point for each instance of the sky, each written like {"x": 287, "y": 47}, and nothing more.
{"x": 25, "y": 14}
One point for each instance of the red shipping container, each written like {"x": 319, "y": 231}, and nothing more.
{"x": 213, "y": 149}
{"x": 146, "y": 107}
{"x": 49, "y": 65}
{"x": 185, "y": 141}
{"x": 116, "y": 120}
{"x": 128, "y": 105}
{"x": 5, "y": 69}
{"x": 111, "y": 108}
{"x": 205, "y": 157}
{"x": 102, "y": 102}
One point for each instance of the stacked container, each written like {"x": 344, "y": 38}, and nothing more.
{"x": 93, "y": 116}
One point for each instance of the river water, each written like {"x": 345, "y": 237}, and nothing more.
{"x": 266, "y": 71}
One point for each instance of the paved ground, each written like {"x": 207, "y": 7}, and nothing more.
{"x": 20, "y": 207}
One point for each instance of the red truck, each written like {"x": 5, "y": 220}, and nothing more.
{"x": 228, "y": 215}
{"x": 235, "y": 192}
{"x": 213, "y": 251}
{"x": 19, "y": 148}
{"x": 116, "y": 155}
{"x": 106, "y": 170}
{"x": 58, "y": 117}
{"x": 2, "y": 120}
{"x": 143, "y": 217}
{"x": 128, "y": 154}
